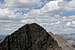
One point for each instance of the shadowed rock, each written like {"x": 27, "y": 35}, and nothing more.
{"x": 29, "y": 37}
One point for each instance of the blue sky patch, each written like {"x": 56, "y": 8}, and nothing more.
{"x": 1, "y": 1}
{"x": 69, "y": 13}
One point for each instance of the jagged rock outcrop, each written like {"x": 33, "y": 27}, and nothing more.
{"x": 29, "y": 37}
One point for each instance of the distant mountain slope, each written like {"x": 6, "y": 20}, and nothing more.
{"x": 2, "y": 38}
{"x": 29, "y": 37}
{"x": 64, "y": 44}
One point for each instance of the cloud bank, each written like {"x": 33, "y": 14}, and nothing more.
{"x": 49, "y": 14}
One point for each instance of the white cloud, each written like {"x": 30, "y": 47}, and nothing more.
{"x": 21, "y": 3}
{"x": 73, "y": 22}
{"x": 46, "y": 17}
{"x": 28, "y": 21}
{"x": 27, "y": 1}
{"x": 5, "y": 21}
{"x": 53, "y": 5}
{"x": 58, "y": 22}
{"x": 72, "y": 4}
{"x": 4, "y": 12}
{"x": 68, "y": 23}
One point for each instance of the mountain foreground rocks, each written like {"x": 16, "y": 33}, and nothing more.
{"x": 30, "y": 37}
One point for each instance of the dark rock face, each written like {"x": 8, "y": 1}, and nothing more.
{"x": 29, "y": 37}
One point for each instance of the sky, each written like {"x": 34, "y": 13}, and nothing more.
{"x": 57, "y": 16}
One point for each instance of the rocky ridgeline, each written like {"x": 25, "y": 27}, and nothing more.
{"x": 30, "y": 37}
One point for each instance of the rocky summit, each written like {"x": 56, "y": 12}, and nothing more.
{"x": 29, "y": 37}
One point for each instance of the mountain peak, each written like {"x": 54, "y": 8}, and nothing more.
{"x": 29, "y": 37}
